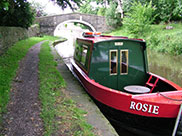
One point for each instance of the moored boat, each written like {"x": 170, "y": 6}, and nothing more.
{"x": 114, "y": 71}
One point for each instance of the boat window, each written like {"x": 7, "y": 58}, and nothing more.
{"x": 78, "y": 53}
{"x": 113, "y": 62}
{"x": 124, "y": 61}
{"x": 84, "y": 55}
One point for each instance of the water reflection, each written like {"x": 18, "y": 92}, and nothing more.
{"x": 167, "y": 66}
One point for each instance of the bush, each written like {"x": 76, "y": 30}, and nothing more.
{"x": 113, "y": 18}
{"x": 139, "y": 18}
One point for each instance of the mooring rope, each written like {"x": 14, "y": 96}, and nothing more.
{"x": 169, "y": 97}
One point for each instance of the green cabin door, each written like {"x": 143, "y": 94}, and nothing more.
{"x": 118, "y": 65}
{"x": 127, "y": 66}
{"x": 113, "y": 68}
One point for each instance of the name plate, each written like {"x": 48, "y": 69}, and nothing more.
{"x": 118, "y": 43}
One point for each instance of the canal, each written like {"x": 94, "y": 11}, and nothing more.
{"x": 169, "y": 67}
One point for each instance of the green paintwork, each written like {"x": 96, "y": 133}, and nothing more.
{"x": 137, "y": 68}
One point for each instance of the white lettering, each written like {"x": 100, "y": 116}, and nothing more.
{"x": 118, "y": 43}
{"x": 150, "y": 108}
{"x": 144, "y": 107}
{"x": 132, "y": 105}
{"x": 138, "y": 106}
{"x": 155, "y": 109}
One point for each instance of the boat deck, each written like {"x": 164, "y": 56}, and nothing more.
{"x": 174, "y": 97}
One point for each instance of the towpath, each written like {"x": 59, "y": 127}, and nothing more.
{"x": 23, "y": 116}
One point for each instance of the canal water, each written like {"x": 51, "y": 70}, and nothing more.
{"x": 167, "y": 66}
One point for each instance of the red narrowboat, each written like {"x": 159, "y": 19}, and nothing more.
{"x": 114, "y": 71}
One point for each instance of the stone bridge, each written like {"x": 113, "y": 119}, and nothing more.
{"x": 49, "y": 23}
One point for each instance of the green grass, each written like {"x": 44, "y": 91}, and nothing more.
{"x": 9, "y": 63}
{"x": 59, "y": 113}
{"x": 50, "y": 83}
{"x": 159, "y": 39}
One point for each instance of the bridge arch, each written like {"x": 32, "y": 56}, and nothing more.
{"x": 49, "y": 23}
{"x": 91, "y": 28}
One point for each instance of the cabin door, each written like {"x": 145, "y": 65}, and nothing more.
{"x": 118, "y": 66}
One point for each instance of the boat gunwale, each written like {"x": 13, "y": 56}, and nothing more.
{"x": 130, "y": 97}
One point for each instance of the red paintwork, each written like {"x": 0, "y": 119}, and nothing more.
{"x": 121, "y": 101}
{"x": 106, "y": 38}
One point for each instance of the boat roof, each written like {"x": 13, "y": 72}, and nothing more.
{"x": 101, "y": 38}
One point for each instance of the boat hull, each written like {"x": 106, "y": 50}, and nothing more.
{"x": 138, "y": 123}
{"x": 141, "y": 125}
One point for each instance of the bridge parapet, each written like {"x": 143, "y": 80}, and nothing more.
{"x": 49, "y": 23}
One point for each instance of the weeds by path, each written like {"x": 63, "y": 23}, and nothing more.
{"x": 60, "y": 114}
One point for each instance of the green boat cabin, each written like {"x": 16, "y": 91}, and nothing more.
{"x": 114, "y": 62}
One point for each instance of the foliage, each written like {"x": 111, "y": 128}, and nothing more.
{"x": 38, "y": 9}
{"x": 71, "y": 3}
{"x": 4, "y": 5}
{"x": 103, "y": 2}
{"x": 101, "y": 11}
{"x": 16, "y": 13}
{"x": 166, "y": 43}
{"x": 87, "y": 8}
{"x": 97, "y": 7}
{"x": 113, "y": 18}
{"x": 159, "y": 38}
{"x": 126, "y": 5}
{"x": 139, "y": 18}
{"x": 168, "y": 10}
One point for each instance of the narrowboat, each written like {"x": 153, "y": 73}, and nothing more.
{"x": 114, "y": 71}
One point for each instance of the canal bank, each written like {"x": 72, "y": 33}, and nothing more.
{"x": 101, "y": 125}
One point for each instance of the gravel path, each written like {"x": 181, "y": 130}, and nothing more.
{"x": 23, "y": 117}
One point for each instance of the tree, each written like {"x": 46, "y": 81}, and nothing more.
{"x": 120, "y": 8}
{"x": 71, "y": 3}
{"x": 38, "y": 9}
{"x": 4, "y": 5}
{"x": 139, "y": 18}
{"x": 113, "y": 18}
{"x": 87, "y": 8}
{"x": 16, "y": 13}
{"x": 168, "y": 10}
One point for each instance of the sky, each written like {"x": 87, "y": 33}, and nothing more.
{"x": 51, "y": 8}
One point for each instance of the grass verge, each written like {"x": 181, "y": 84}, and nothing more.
{"x": 9, "y": 63}
{"x": 159, "y": 38}
{"x": 59, "y": 113}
